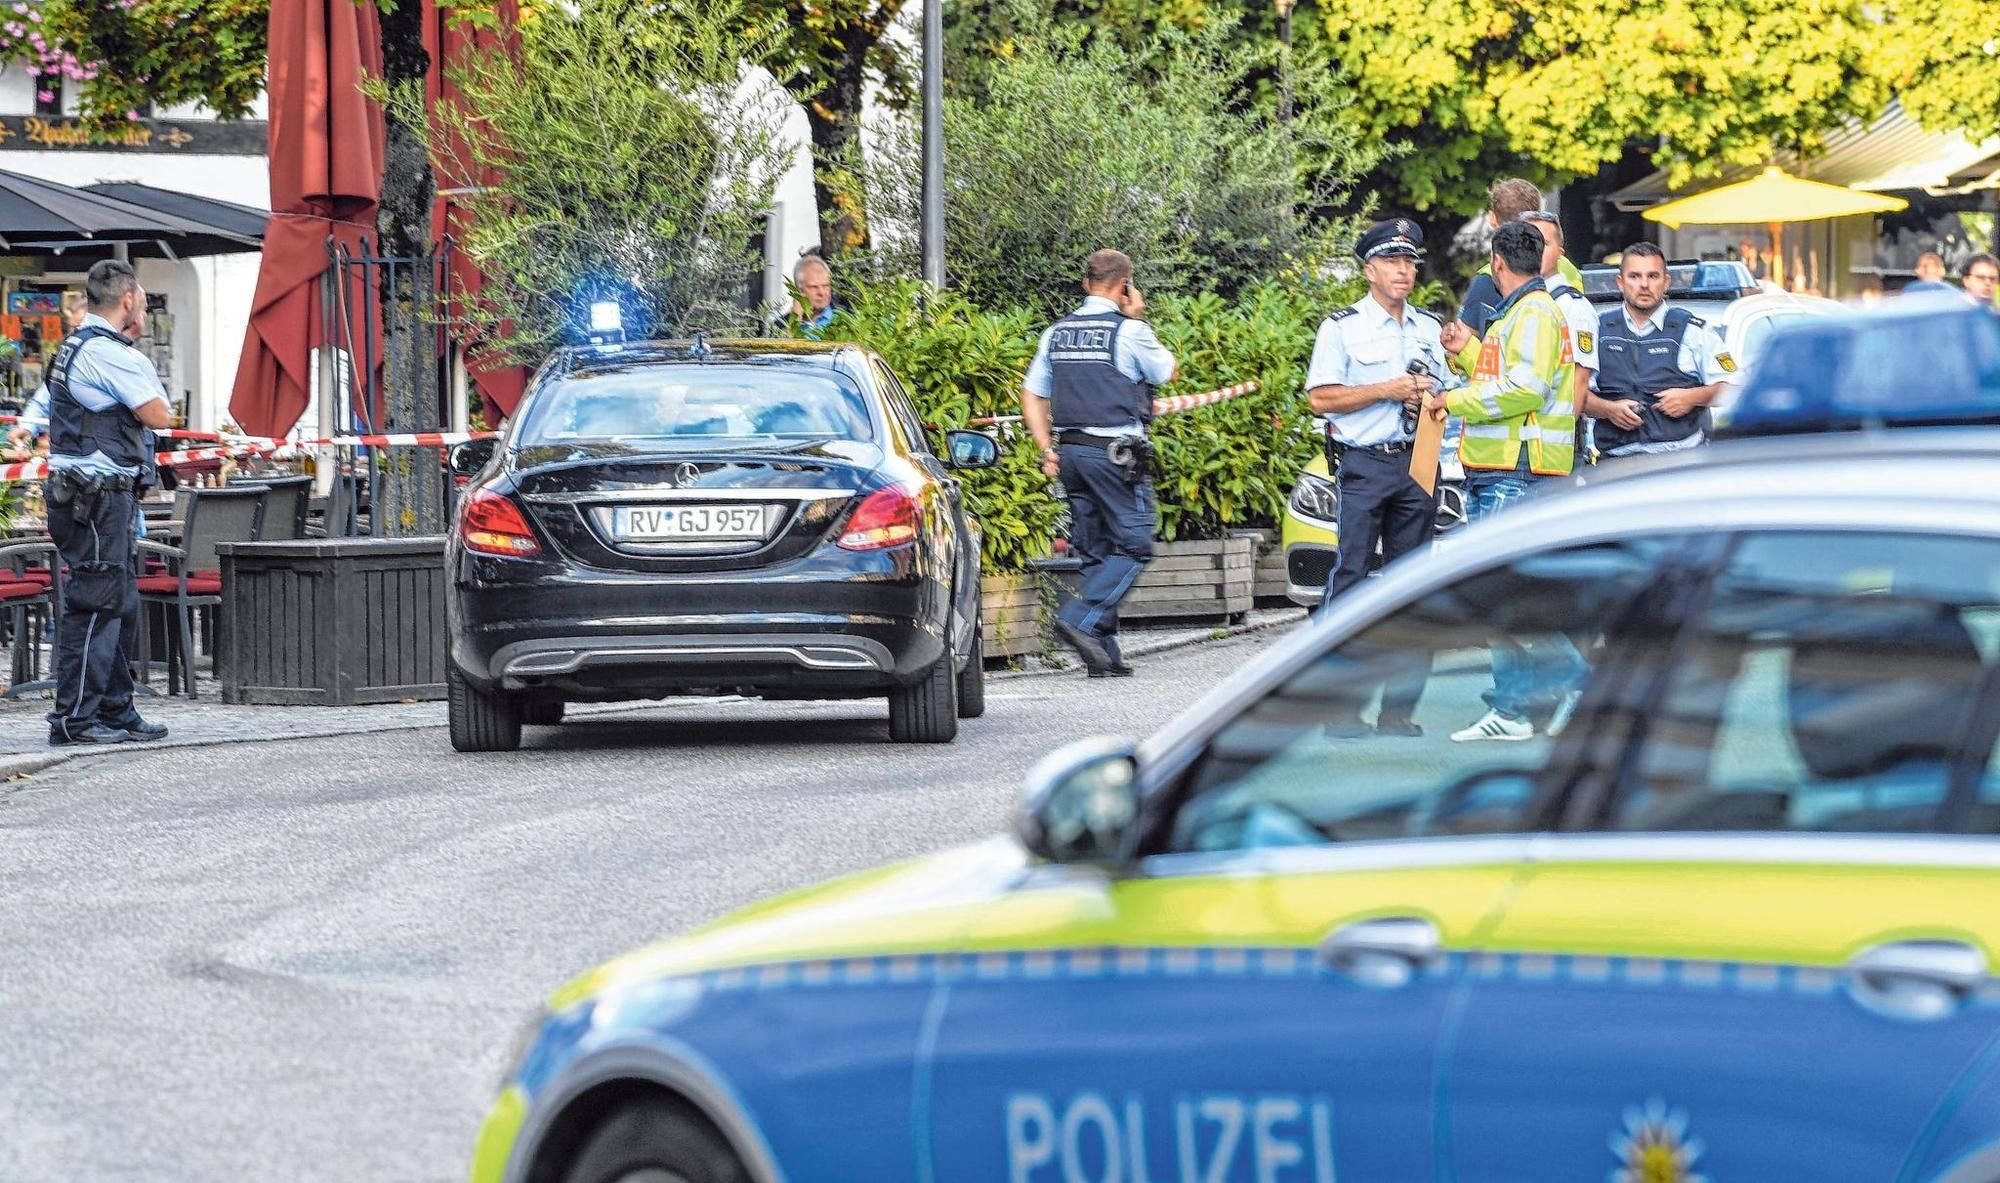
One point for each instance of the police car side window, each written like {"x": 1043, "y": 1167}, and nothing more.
{"x": 1831, "y": 683}
{"x": 1293, "y": 769}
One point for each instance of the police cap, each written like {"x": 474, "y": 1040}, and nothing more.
{"x": 1396, "y": 236}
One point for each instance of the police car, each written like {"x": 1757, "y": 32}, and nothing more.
{"x": 1732, "y": 913}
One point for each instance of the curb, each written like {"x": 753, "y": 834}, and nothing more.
{"x": 27, "y": 764}
{"x": 1151, "y": 648}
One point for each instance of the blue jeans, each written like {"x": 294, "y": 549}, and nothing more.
{"x": 1528, "y": 672}
{"x": 1111, "y": 527}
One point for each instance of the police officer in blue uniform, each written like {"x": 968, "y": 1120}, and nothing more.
{"x": 1657, "y": 370}
{"x": 104, "y": 401}
{"x": 1087, "y": 399}
{"x": 1372, "y": 364}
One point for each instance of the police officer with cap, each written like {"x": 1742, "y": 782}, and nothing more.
{"x": 104, "y": 400}
{"x": 1372, "y": 364}
{"x": 1087, "y": 399}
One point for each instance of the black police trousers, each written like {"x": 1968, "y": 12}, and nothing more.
{"x": 1378, "y": 503}
{"x": 1111, "y": 526}
{"x": 99, "y": 625}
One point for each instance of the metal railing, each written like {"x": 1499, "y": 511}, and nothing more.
{"x": 387, "y": 369}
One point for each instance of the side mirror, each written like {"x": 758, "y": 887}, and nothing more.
{"x": 1080, "y": 803}
{"x": 970, "y": 449}
{"x": 468, "y": 458}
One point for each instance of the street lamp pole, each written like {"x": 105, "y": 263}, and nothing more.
{"x": 932, "y": 229}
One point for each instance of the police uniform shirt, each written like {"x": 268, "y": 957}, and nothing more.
{"x": 1581, "y": 317}
{"x": 1140, "y": 355}
{"x": 1363, "y": 344}
{"x": 103, "y": 374}
{"x": 1701, "y": 354}
{"x": 35, "y": 416}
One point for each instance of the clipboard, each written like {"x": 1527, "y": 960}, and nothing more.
{"x": 1429, "y": 442}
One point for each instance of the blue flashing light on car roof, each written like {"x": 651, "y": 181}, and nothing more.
{"x": 1912, "y": 363}
{"x": 607, "y": 322}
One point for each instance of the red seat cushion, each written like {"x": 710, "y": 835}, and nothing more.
{"x": 200, "y": 583}
{"x": 31, "y": 575}
{"x": 21, "y": 591}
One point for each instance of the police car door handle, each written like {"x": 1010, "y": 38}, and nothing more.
{"x": 1384, "y": 953}
{"x": 1921, "y": 980}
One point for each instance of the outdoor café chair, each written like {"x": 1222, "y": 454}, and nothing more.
{"x": 193, "y": 578}
{"x": 31, "y": 598}
{"x": 285, "y": 502}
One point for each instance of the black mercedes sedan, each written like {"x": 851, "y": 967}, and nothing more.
{"x": 761, "y": 518}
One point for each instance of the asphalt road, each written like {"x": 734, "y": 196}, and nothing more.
{"x": 304, "y": 960}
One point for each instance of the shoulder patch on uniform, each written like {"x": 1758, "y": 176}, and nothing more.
{"x": 1696, "y": 321}
{"x": 1344, "y": 313}
{"x": 1727, "y": 362}
{"x": 1586, "y": 341}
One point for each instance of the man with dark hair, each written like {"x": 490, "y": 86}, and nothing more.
{"x": 1519, "y": 411}
{"x": 1981, "y": 276}
{"x": 1086, "y": 400}
{"x": 1506, "y": 201}
{"x": 1657, "y": 372}
{"x": 104, "y": 400}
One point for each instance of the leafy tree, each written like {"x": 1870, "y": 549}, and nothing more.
{"x": 1556, "y": 90}
{"x": 630, "y": 164}
{"x": 1155, "y": 153}
{"x": 824, "y": 52}
{"x": 124, "y": 54}
{"x": 1943, "y": 58}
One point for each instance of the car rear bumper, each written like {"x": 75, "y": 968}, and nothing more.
{"x": 583, "y": 638}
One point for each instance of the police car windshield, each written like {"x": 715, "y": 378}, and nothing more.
{"x": 696, "y": 405}
{"x": 1852, "y": 371}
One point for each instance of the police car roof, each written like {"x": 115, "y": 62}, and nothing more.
{"x": 1915, "y": 361}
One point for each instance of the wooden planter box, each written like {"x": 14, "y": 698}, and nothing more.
{"x": 1211, "y": 580}
{"x": 332, "y": 622}
{"x": 1010, "y": 612}
{"x": 1267, "y": 584}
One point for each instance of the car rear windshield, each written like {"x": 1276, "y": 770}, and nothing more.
{"x": 697, "y": 405}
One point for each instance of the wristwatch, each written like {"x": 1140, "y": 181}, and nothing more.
{"x": 1050, "y": 451}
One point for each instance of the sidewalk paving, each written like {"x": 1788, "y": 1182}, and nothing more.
{"x": 207, "y": 720}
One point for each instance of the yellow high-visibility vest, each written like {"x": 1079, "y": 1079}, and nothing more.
{"x": 1522, "y": 391}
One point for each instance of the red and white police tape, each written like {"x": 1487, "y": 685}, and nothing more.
{"x": 243, "y": 445}
{"x": 1161, "y": 406}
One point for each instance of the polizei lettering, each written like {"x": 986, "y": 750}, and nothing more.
{"x": 1082, "y": 342}
{"x": 1197, "y": 1138}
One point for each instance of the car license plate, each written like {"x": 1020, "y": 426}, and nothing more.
{"x": 691, "y": 523}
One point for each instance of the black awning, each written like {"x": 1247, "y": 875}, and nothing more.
{"x": 242, "y": 221}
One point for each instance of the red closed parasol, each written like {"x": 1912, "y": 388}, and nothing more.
{"x": 326, "y": 146}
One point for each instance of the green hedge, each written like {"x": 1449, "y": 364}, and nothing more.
{"x": 1221, "y": 467}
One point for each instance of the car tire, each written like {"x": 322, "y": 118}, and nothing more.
{"x": 655, "y": 1140}
{"x": 927, "y": 711}
{"x": 480, "y": 721}
{"x": 543, "y": 712}
{"x": 972, "y": 679}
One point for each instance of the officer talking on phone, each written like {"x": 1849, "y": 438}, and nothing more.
{"x": 104, "y": 400}
{"x": 1087, "y": 399}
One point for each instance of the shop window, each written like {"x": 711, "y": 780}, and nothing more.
{"x": 49, "y": 96}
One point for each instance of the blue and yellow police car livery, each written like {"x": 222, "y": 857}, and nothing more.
{"x": 1731, "y": 913}
{"x": 973, "y": 1016}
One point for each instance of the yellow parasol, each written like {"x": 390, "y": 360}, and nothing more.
{"x": 1773, "y": 197}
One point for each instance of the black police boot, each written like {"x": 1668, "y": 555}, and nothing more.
{"x": 1095, "y": 659}
{"x": 139, "y": 730}
{"x": 96, "y": 733}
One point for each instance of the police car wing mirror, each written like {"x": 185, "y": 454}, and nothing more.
{"x": 970, "y": 449}
{"x": 1080, "y": 803}
{"x": 472, "y": 455}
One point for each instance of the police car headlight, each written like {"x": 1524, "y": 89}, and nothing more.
{"x": 1315, "y": 497}
{"x": 520, "y": 1045}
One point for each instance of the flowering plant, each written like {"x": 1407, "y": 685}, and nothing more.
{"x": 26, "y": 37}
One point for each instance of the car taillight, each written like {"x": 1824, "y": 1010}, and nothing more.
{"x": 493, "y": 525}
{"x": 885, "y": 518}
